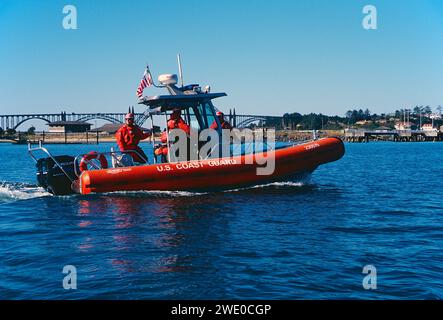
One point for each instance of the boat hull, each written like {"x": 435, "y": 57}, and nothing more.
{"x": 225, "y": 173}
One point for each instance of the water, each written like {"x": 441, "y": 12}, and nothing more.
{"x": 380, "y": 205}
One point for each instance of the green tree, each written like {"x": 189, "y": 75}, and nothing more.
{"x": 367, "y": 114}
{"x": 348, "y": 114}
{"x": 11, "y": 131}
{"x": 417, "y": 111}
{"x": 292, "y": 120}
{"x": 31, "y": 130}
{"x": 427, "y": 110}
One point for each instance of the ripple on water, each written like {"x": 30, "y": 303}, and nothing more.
{"x": 285, "y": 240}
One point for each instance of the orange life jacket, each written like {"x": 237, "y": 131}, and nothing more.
{"x": 128, "y": 137}
{"x": 179, "y": 123}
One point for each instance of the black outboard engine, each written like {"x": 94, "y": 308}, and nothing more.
{"x": 52, "y": 178}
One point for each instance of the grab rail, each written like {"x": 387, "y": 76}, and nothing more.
{"x": 40, "y": 147}
{"x": 112, "y": 154}
{"x": 43, "y": 149}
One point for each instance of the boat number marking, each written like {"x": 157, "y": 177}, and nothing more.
{"x": 114, "y": 171}
{"x": 312, "y": 146}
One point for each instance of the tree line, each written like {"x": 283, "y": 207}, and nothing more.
{"x": 11, "y": 132}
{"x": 311, "y": 121}
{"x": 297, "y": 121}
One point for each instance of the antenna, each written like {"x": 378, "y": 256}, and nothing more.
{"x": 180, "y": 71}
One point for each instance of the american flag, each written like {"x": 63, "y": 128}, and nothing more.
{"x": 146, "y": 81}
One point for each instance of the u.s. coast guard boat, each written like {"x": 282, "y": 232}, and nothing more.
{"x": 111, "y": 171}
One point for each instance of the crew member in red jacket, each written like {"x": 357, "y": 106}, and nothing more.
{"x": 176, "y": 122}
{"x": 224, "y": 124}
{"x": 128, "y": 137}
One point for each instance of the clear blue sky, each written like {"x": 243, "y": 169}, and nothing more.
{"x": 271, "y": 57}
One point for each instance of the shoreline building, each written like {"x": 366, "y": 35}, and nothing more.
{"x": 428, "y": 127}
{"x": 403, "y": 126}
{"x": 108, "y": 128}
{"x": 112, "y": 128}
{"x": 69, "y": 126}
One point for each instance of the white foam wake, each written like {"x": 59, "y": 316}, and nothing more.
{"x": 20, "y": 191}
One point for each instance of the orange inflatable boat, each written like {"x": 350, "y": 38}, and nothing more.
{"x": 93, "y": 173}
{"x": 223, "y": 173}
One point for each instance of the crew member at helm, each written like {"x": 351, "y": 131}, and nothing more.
{"x": 176, "y": 122}
{"x": 128, "y": 137}
{"x": 224, "y": 124}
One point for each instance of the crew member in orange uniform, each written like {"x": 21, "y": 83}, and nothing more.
{"x": 224, "y": 124}
{"x": 128, "y": 137}
{"x": 175, "y": 122}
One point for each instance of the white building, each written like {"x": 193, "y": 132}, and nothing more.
{"x": 428, "y": 127}
{"x": 403, "y": 126}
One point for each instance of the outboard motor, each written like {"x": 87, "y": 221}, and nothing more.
{"x": 52, "y": 178}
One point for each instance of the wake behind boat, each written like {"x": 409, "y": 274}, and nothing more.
{"x": 201, "y": 171}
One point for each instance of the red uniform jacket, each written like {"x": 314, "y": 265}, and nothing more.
{"x": 178, "y": 123}
{"x": 128, "y": 137}
{"x": 224, "y": 125}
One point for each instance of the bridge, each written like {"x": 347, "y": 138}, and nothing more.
{"x": 13, "y": 121}
{"x": 244, "y": 120}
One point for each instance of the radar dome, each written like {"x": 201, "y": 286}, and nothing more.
{"x": 168, "y": 79}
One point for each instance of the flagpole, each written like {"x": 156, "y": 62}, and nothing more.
{"x": 153, "y": 83}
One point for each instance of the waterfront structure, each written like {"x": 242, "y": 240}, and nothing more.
{"x": 362, "y": 135}
{"x": 69, "y": 126}
{"x": 428, "y": 127}
{"x": 112, "y": 128}
{"x": 109, "y": 128}
{"x": 403, "y": 126}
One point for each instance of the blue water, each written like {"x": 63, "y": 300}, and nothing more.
{"x": 380, "y": 205}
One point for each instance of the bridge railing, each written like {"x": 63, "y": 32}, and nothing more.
{"x": 13, "y": 121}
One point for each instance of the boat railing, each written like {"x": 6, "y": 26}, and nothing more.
{"x": 116, "y": 157}
{"x": 43, "y": 149}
